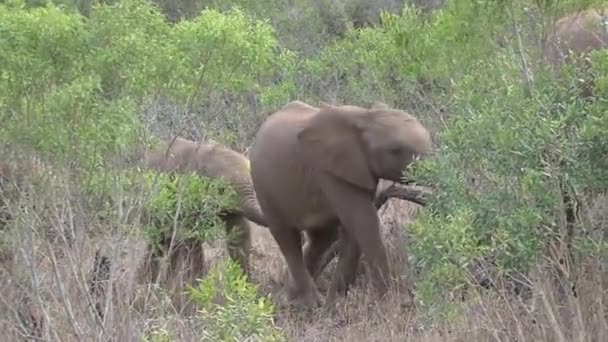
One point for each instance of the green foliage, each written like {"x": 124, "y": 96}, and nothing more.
{"x": 130, "y": 48}
{"x": 402, "y": 58}
{"x": 189, "y": 202}
{"x": 51, "y": 96}
{"x": 505, "y": 157}
{"x": 231, "y": 308}
{"x": 160, "y": 335}
{"x": 194, "y": 202}
{"x": 227, "y": 51}
{"x": 73, "y": 88}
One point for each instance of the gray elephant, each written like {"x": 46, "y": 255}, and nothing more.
{"x": 578, "y": 34}
{"x": 574, "y": 36}
{"x": 317, "y": 169}
{"x": 214, "y": 161}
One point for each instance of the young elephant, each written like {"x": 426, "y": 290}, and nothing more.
{"x": 315, "y": 169}
{"x": 574, "y": 36}
{"x": 213, "y": 161}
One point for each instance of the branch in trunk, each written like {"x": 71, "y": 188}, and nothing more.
{"x": 403, "y": 193}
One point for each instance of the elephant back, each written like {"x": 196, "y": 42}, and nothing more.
{"x": 217, "y": 161}
{"x": 580, "y": 33}
{"x": 208, "y": 160}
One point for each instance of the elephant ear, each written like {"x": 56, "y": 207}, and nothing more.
{"x": 331, "y": 141}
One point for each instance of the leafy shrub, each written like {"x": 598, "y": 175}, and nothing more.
{"x": 50, "y": 97}
{"x": 231, "y": 309}
{"x": 74, "y": 89}
{"x": 193, "y": 202}
{"x": 227, "y": 51}
{"x": 507, "y": 156}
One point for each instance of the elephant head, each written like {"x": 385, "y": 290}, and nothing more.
{"x": 364, "y": 145}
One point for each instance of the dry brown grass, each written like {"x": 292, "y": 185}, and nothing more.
{"x": 44, "y": 293}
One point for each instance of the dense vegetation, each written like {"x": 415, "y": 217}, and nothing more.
{"x": 517, "y": 147}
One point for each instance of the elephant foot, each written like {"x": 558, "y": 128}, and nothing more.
{"x": 305, "y": 299}
{"x": 407, "y": 299}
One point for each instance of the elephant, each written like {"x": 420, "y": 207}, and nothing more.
{"x": 214, "y": 161}
{"x": 316, "y": 170}
{"x": 574, "y": 36}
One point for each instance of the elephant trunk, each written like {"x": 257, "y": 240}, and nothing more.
{"x": 249, "y": 204}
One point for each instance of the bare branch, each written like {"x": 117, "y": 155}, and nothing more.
{"x": 404, "y": 193}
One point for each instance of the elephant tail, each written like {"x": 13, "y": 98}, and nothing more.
{"x": 253, "y": 212}
{"x": 249, "y": 206}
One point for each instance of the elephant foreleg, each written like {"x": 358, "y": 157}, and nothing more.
{"x": 238, "y": 240}
{"x": 147, "y": 273}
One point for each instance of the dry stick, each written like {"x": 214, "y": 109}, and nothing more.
{"x": 34, "y": 277}
{"x": 525, "y": 70}
{"x": 20, "y": 327}
{"x": 75, "y": 269}
{"x": 64, "y": 297}
{"x": 408, "y": 194}
{"x": 549, "y": 311}
{"x": 164, "y": 268}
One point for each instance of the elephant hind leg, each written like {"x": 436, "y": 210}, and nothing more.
{"x": 238, "y": 240}
{"x": 318, "y": 245}
{"x": 348, "y": 260}
{"x": 303, "y": 291}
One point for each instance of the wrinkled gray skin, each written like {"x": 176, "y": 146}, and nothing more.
{"x": 576, "y": 35}
{"x": 216, "y": 161}
{"x": 315, "y": 169}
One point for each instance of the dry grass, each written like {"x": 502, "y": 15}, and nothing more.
{"x": 44, "y": 293}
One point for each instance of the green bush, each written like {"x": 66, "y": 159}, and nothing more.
{"x": 193, "y": 202}
{"x": 507, "y": 155}
{"x": 222, "y": 52}
{"x": 74, "y": 88}
{"x": 51, "y": 95}
{"x": 231, "y": 309}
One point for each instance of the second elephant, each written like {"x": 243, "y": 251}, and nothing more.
{"x": 574, "y": 37}
{"x": 213, "y": 161}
